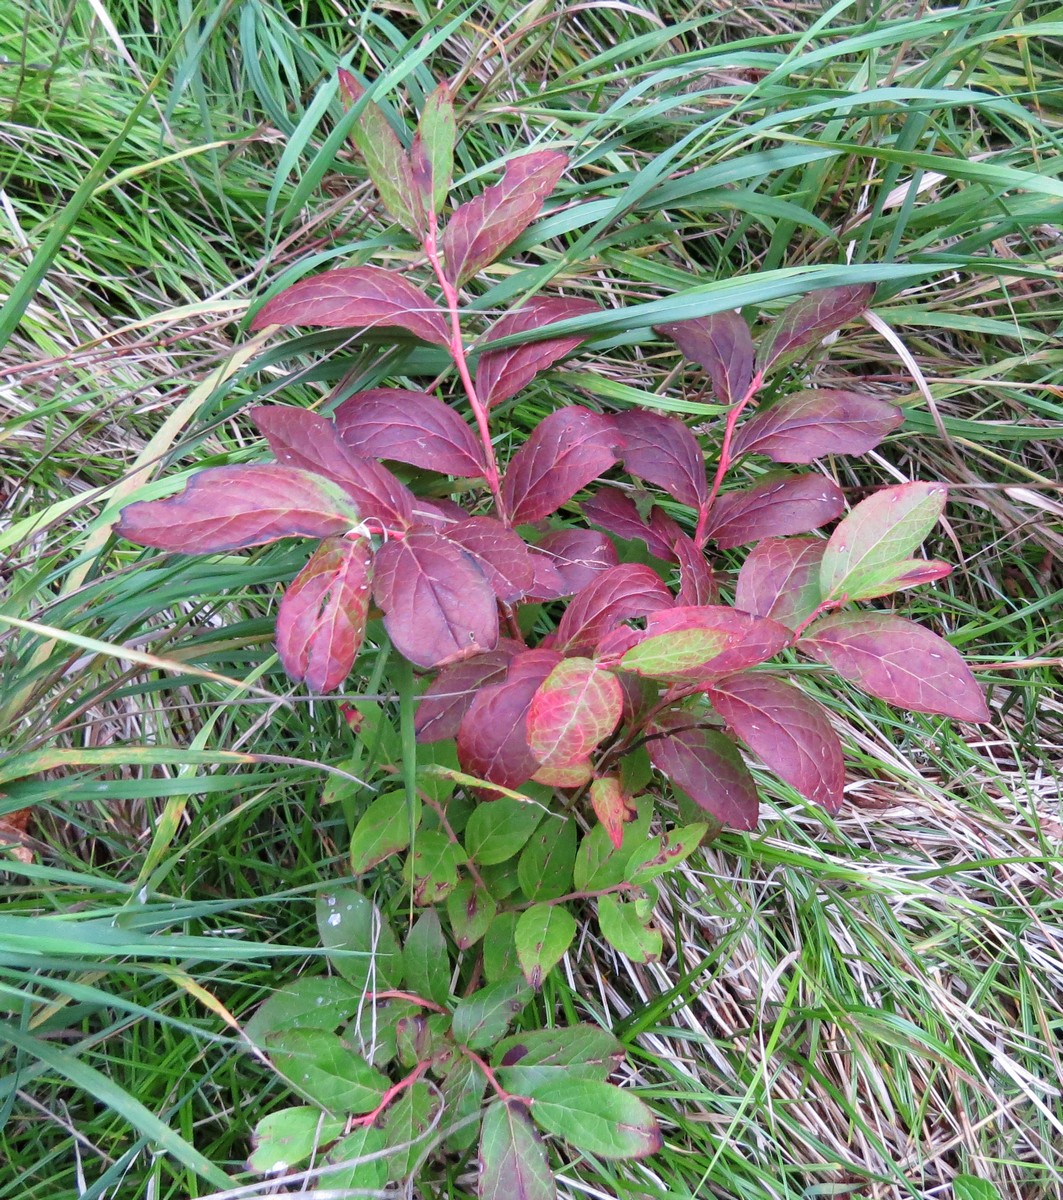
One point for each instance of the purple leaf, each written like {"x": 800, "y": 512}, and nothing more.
{"x": 432, "y": 152}
{"x": 663, "y": 451}
{"x": 306, "y": 440}
{"x": 480, "y": 230}
{"x": 499, "y": 552}
{"x": 501, "y": 374}
{"x": 438, "y": 604}
{"x": 409, "y": 427}
{"x": 629, "y": 590}
{"x": 618, "y": 513}
{"x": 780, "y": 505}
{"x": 807, "y": 425}
{"x": 228, "y": 508}
{"x": 810, "y": 319}
{"x": 576, "y": 706}
{"x": 780, "y": 579}
{"x": 445, "y": 701}
{"x": 708, "y": 767}
{"x": 577, "y": 555}
{"x": 357, "y": 298}
{"x": 567, "y": 449}
{"x": 722, "y": 344}
{"x": 321, "y": 619}
{"x": 697, "y": 585}
{"x": 789, "y": 732}
{"x": 899, "y": 662}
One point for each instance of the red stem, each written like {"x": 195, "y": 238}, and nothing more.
{"x": 724, "y": 462}
{"x": 390, "y": 1094}
{"x": 473, "y": 1057}
{"x": 418, "y": 1000}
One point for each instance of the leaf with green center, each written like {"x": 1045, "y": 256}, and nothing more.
{"x": 288, "y": 1137}
{"x": 463, "y": 1088}
{"x": 544, "y": 932}
{"x": 360, "y": 944}
{"x": 626, "y": 931}
{"x": 406, "y": 1125}
{"x": 665, "y": 853}
{"x": 471, "y": 910}
{"x": 432, "y": 868}
{"x": 426, "y": 959}
{"x": 528, "y": 1060}
{"x": 384, "y": 829}
{"x": 326, "y": 1070}
{"x": 576, "y": 707}
{"x": 497, "y": 830}
{"x": 305, "y": 1004}
{"x": 780, "y": 579}
{"x": 544, "y": 868}
{"x": 880, "y": 532}
{"x": 360, "y": 1144}
{"x": 513, "y": 1162}
{"x": 432, "y": 152}
{"x": 500, "y": 950}
{"x": 674, "y": 654}
{"x": 699, "y": 641}
{"x": 598, "y": 1118}
{"x": 482, "y": 1018}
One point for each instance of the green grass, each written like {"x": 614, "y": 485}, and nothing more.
{"x": 863, "y": 1006}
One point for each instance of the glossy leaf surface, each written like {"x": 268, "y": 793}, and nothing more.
{"x": 781, "y": 505}
{"x": 723, "y": 345}
{"x": 810, "y": 319}
{"x": 663, "y": 451}
{"x": 808, "y": 425}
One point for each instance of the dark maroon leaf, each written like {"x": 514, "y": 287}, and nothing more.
{"x": 228, "y": 508}
{"x": 480, "y": 230}
{"x": 438, "y": 605}
{"x": 789, "y": 732}
{"x": 629, "y": 590}
{"x": 409, "y": 427}
{"x": 445, "y": 701}
{"x": 500, "y": 553}
{"x": 807, "y": 425}
{"x": 577, "y": 556}
{"x": 723, "y": 345}
{"x": 780, "y": 579}
{"x": 697, "y": 584}
{"x": 567, "y": 449}
{"x": 708, "y": 767}
{"x": 663, "y": 451}
{"x": 321, "y": 619}
{"x": 617, "y": 512}
{"x": 357, "y": 298}
{"x": 577, "y": 705}
{"x": 306, "y": 440}
{"x": 548, "y": 584}
{"x": 811, "y": 319}
{"x": 493, "y": 736}
{"x": 782, "y": 504}
{"x": 501, "y": 374}
{"x": 898, "y": 661}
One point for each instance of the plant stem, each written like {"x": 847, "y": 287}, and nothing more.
{"x": 474, "y": 1058}
{"x": 724, "y": 462}
{"x": 413, "y": 999}
{"x": 393, "y": 1091}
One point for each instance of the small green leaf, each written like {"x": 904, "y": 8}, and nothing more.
{"x": 597, "y": 1117}
{"x": 305, "y": 1004}
{"x": 513, "y": 1162}
{"x": 544, "y": 932}
{"x": 326, "y": 1070}
{"x": 383, "y": 830}
{"x": 544, "y": 868}
{"x": 432, "y": 153}
{"x": 471, "y": 910}
{"x": 669, "y": 655}
{"x": 427, "y": 960}
{"x": 371, "y": 1175}
{"x": 432, "y": 868}
{"x": 502, "y": 879}
{"x": 358, "y": 941}
{"x": 482, "y": 1018}
{"x": 500, "y": 950}
{"x": 970, "y": 1187}
{"x": 463, "y": 1089}
{"x": 665, "y": 853}
{"x": 419, "y": 1036}
{"x": 598, "y": 863}
{"x": 372, "y": 1032}
{"x": 624, "y": 929}
{"x": 289, "y": 1137}
{"x": 499, "y": 828}
{"x": 405, "y": 1124}
{"x": 385, "y": 158}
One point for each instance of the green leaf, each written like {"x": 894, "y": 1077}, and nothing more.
{"x": 326, "y": 1070}
{"x": 880, "y": 532}
{"x": 360, "y": 943}
{"x": 544, "y": 932}
{"x": 372, "y": 1033}
{"x": 544, "y": 868}
{"x": 500, "y": 950}
{"x": 526, "y": 1061}
{"x": 289, "y": 1137}
{"x": 598, "y": 863}
{"x": 409, "y": 1120}
{"x": 427, "y": 959}
{"x": 432, "y": 153}
{"x": 463, "y": 1088}
{"x": 970, "y": 1187}
{"x": 420, "y": 1036}
{"x": 513, "y": 1162}
{"x": 669, "y": 654}
{"x": 363, "y": 1141}
{"x": 432, "y": 868}
{"x": 384, "y": 829}
{"x": 577, "y": 705}
{"x": 499, "y": 828}
{"x": 482, "y": 1018}
{"x": 665, "y": 853}
{"x": 624, "y": 929}
{"x": 597, "y": 1117}
{"x": 471, "y": 910}
{"x": 305, "y": 1004}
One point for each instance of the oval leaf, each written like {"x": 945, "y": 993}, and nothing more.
{"x": 628, "y": 932}
{"x": 663, "y": 451}
{"x": 513, "y": 1162}
{"x": 576, "y": 557}
{"x": 575, "y": 707}
{"x": 446, "y": 700}
{"x": 432, "y": 152}
{"x": 289, "y": 1137}
{"x": 723, "y": 345}
{"x": 780, "y": 580}
{"x": 597, "y": 1117}
{"x": 781, "y": 505}
{"x": 810, "y": 319}
{"x": 707, "y": 766}
{"x": 544, "y": 932}
{"x": 612, "y": 807}
{"x": 807, "y": 425}
{"x": 503, "y": 557}
{"x": 629, "y": 590}
{"x": 358, "y": 940}
{"x": 482, "y": 1018}
{"x": 619, "y": 514}
{"x": 383, "y": 829}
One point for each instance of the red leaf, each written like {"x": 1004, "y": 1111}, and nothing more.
{"x": 663, "y": 451}
{"x": 228, "y": 508}
{"x": 577, "y": 555}
{"x": 499, "y": 552}
{"x": 611, "y": 807}
{"x": 811, "y": 319}
{"x": 321, "y": 619}
{"x": 780, "y": 579}
{"x": 357, "y": 298}
{"x": 438, "y": 604}
{"x": 444, "y": 702}
{"x": 629, "y": 590}
{"x": 788, "y": 731}
{"x": 567, "y": 449}
{"x": 501, "y": 374}
{"x": 708, "y": 767}
{"x": 782, "y": 504}
{"x": 729, "y": 641}
{"x": 722, "y": 344}
{"x": 697, "y": 584}
{"x": 618, "y": 513}
{"x": 480, "y": 230}
{"x": 493, "y": 737}
{"x": 409, "y": 427}
{"x": 304, "y": 439}
{"x": 576, "y": 706}
{"x": 898, "y": 661}
{"x": 807, "y": 425}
